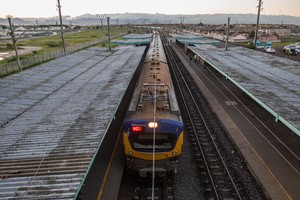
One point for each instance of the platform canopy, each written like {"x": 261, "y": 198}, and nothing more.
{"x": 201, "y": 41}
{"x": 134, "y": 39}
{"x": 273, "y": 82}
{"x": 137, "y": 36}
{"x": 131, "y": 42}
{"x": 187, "y": 36}
{"x": 194, "y": 39}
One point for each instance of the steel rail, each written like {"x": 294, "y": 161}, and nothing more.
{"x": 187, "y": 89}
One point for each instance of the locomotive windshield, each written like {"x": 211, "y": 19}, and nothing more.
{"x": 144, "y": 142}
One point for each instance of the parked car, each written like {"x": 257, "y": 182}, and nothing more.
{"x": 290, "y": 51}
{"x": 297, "y": 47}
{"x": 259, "y": 45}
{"x": 270, "y": 50}
{"x": 268, "y": 44}
{"x": 290, "y": 46}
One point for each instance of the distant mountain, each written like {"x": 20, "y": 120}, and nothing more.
{"x": 143, "y": 18}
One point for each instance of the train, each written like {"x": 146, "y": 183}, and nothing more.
{"x": 153, "y": 128}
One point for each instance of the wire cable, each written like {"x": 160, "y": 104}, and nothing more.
{"x": 154, "y": 118}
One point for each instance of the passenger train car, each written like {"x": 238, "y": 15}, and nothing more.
{"x": 153, "y": 128}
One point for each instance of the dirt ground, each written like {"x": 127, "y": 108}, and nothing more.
{"x": 279, "y": 52}
{"x": 24, "y": 50}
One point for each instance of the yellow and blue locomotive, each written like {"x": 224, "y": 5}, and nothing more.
{"x": 153, "y": 128}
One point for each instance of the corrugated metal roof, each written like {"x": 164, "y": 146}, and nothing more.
{"x": 194, "y": 39}
{"x": 137, "y": 36}
{"x": 275, "y": 81}
{"x": 199, "y": 41}
{"x": 53, "y": 117}
{"x": 188, "y": 36}
{"x": 131, "y": 41}
{"x": 134, "y": 39}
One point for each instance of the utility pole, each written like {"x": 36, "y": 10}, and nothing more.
{"x": 61, "y": 26}
{"x": 108, "y": 28}
{"x": 181, "y": 23}
{"x": 181, "y": 20}
{"x": 227, "y": 33}
{"x": 257, "y": 22}
{"x": 14, "y": 41}
{"x": 101, "y": 17}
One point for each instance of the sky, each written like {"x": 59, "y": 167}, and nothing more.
{"x": 48, "y": 8}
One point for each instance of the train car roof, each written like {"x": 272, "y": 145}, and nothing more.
{"x": 154, "y": 84}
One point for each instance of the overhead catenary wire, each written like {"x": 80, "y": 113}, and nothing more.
{"x": 154, "y": 121}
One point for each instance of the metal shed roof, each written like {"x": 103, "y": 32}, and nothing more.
{"x": 274, "y": 82}
{"x": 131, "y": 41}
{"x": 53, "y": 118}
{"x": 134, "y": 39}
{"x": 199, "y": 41}
{"x": 187, "y": 36}
{"x": 137, "y": 36}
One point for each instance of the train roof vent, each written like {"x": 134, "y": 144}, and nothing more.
{"x": 167, "y": 107}
{"x": 140, "y": 106}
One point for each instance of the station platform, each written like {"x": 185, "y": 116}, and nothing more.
{"x": 279, "y": 179}
{"x": 53, "y": 118}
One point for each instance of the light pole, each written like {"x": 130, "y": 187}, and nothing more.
{"x": 101, "y": 17}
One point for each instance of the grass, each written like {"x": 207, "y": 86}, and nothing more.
{"x": 5, "y": 48}
{"x": 53, "y": 43}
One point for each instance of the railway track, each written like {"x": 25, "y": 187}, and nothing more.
{"x": 138, "y": 188}
{"x": 162, "y": 190}
{"x": 266, "y": 135}
{"x": 218, "y": 182}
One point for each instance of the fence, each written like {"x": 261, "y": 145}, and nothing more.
{"x": 37, "y": 59}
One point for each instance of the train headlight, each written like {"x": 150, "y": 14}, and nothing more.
{"x": 130, "y": 152}
{"x": 152, "y": 125}
{"x": 174, "y": 152}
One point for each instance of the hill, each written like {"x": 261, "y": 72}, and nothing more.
{"x": 143, "y": 18}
